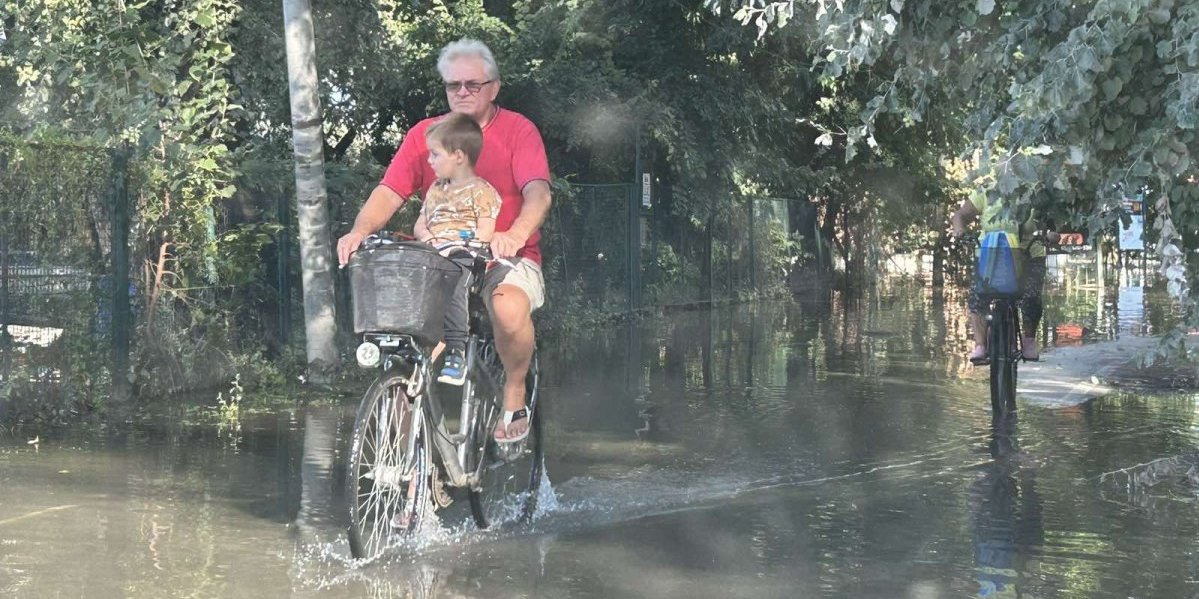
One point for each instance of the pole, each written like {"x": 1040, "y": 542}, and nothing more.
{"x": 710, "y": 258}
{"x": 1099, "y": 280}
{"x": 4, "y": 316}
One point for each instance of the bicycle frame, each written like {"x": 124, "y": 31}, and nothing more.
{"x": 401, "y": 351}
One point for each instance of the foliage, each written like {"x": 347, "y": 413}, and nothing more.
{"x": 156, "y": 77}
{"x": 879, "y": 114}
{"x": 1070, "y": 104}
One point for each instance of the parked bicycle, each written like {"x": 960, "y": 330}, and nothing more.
{"x": 406, "y": 451}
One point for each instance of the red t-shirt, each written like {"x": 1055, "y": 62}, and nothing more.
{"x": 513, "y": 155}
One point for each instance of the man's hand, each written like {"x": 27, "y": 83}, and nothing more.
{"x": 346, "y": 246}
{"x": 506, "y": 244}
{"x": 957, "y": 229}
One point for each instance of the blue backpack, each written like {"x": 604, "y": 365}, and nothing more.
{"x": 1000, "y": 264}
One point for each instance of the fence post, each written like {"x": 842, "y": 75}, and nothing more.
{"x": 121, "y": 316}
{"x": 753, "y": 256}
{"x": 634, "y": 230}
{"x": 282, "y": 254}
{"x": 710, "y": 258}
{"x": 4, "y": 316}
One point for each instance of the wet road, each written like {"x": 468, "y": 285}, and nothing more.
{"x": 774, "y": 450}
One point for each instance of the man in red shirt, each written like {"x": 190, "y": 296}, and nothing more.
{"x": 513, "y": 160}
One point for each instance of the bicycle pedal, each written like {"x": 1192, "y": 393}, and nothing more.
{"x": 456, "y": 438}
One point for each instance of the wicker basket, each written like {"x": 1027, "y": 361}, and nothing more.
{"x": 402, "y": 288}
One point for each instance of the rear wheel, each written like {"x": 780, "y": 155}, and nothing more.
{"x": 1013, "y": 360}
{"x": 509, "y": 475}
{"x": 1003, "y": 365}
{"x": 389, "y": 468}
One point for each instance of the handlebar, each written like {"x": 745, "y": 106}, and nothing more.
{"x": 477, "y": 249}
{"x": 480, "y": 250}
{"x": 383, "y": 238}
{"x": 1044, "y": 236}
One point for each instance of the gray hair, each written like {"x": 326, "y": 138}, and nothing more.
{"x": 468, "y": 47}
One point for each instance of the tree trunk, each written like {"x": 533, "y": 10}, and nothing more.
{"x": 316, "y": 252}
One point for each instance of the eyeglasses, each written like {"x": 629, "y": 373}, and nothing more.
{"x": 471, "y": 86}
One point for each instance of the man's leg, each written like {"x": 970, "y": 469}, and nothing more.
{"x": 512, "y": 319}
{"x": 978, "y": 326}
{"x": 1031, "y": 307}
{"x": 513, "y": 294}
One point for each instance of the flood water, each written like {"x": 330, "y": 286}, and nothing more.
{"x": 766, "y": 450}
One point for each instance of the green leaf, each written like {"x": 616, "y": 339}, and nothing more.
{"x": 1112, "y": 87}
{"x": 1007, "y": 183}
{"x": 985, "y": 7}
{"x": 205, "y": 19}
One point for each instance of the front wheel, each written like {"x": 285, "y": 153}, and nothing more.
{"x": 388, "y": 468}
{"x": 508, "y": 475}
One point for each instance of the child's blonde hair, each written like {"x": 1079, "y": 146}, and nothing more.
{"x": 458, "y": 132}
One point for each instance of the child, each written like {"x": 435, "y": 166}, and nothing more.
{"x": 459, "y": 206}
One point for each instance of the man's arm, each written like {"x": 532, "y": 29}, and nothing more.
{"x": 532, "y": 213}
{"x": 382, "y": 203}
{"x": 966, "y": 213}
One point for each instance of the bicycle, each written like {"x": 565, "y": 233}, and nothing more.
{"x": 998, "y": 285}
{"x": 404, "y": 453}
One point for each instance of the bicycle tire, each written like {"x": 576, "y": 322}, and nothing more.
{"x": 997, "y": 347}
{"x": 1003, "y": 365}
{"x": 509, "y": 476}
{"x": 383, "y": 480}
{"x": 1013, "y": 357}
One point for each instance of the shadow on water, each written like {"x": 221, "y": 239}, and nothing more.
{"x": 768, "y": 450}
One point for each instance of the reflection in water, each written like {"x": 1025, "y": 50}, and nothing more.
{"x": 1008, "y": 525}
{"x": 758, "y": 450}
{"x": 317, "y": 513}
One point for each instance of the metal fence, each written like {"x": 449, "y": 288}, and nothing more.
{"x": 63, "y": 254}
{"x": 604, "y": 250}
{"x": 65, "y": 284}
